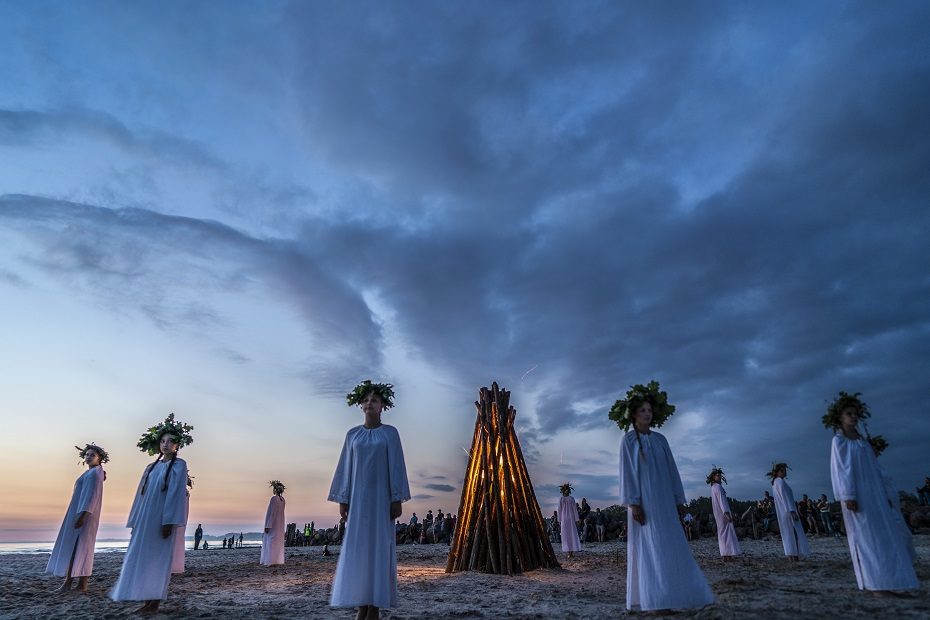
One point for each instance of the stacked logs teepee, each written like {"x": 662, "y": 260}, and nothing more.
{"x": 500, "y": 528}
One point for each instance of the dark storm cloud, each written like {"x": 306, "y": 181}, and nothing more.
{"x": 445, "y": 488}
{"x": 27, "y": 127}
{"x": 733, "y": 202}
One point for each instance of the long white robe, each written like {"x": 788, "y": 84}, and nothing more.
{"x": 879, "y": 554}
{"x": 146, "y": 570}
{"x": 661, "y": 571}
{"x": 895, "y": 500}
{"x": 370, "y": 475}
{"x": 793, "y": 539}
{"x": 568, "y": 517}
{"x": 78, "y": 543}
{"x": 273, "y": 539}
{"x": 726, "y": 533}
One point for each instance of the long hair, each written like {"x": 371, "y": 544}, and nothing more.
{"x": 148, "y": 472}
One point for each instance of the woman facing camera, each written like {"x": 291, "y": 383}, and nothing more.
{"x": 157, "y": 517}
{"x": 661, "y": 571}
{"x": 369, "y": 485}
{"x": 879, "y": 553}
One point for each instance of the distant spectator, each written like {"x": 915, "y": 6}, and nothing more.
{"x": 554, "y": 534}
{"x": 600, "y": 524}
{"x": 923, "y": 493}
{"x": 810, "y": 510}
{"x": 825, "y": 521}
{"x": 686, "y": 522}
{"x": 447, "y": 528}
{"x": 198, "y": 535}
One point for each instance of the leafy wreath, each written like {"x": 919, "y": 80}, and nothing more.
{"x": 713, "y": 472}
{"x": 179, "y": 430}
{"x": 831, "y": 419}
{"x": 775, "y": 469}
{"x": 384, "y": 390}
{"x": 82, "y": 452}
{"x": 622, "y": 411}
{"x": 566, "y": 489}
{"x": 878, "y": 443}
{"x": 277, "y": 486}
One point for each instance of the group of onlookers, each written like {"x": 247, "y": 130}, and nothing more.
{"x": 434, "y": 529}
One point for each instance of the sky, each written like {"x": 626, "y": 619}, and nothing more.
{"x": 237, "y": 211}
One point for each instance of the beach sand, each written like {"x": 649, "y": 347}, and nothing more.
{"x": 231, "y": 584}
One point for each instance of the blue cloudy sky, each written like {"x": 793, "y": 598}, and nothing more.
{"x": 237, "y": 210}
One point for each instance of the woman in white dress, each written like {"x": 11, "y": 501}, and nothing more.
{"x": 157, "y": 511}
{"x": 793, "y": 539}
{"x": 661, "y": 571}
{"x": 879, "y": 553}
{"x": 568, "y": 520}
{"x": 726, "y": 533}
{"x": 369, "y": 485}
{"x": 273, "y": 538}
{"x": 73, "y": 553}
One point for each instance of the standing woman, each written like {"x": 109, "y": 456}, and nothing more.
{"x": 879, "y": 553}
{"x": 273, "y": 538}
{"x": 159, "y": 507}
{"x": 789, "y": 523}
{"x": 661, "y": 571}
{"x": 369, "y": 485}
{"x": 726, "y": 533}
{"x": 568, "y": 520}
{"x": 73, "y": 553}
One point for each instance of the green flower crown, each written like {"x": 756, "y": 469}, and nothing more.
{"x": 713, "y": 472}
{"x": 180, "y": 431}
{"x": 831, "y": 419}
{"x": 622, "y": 411}
{"x": 384, "y": 390}
{"x": 277, "y": 486}
{"x": 774, "y": 472}
{"x": 879, "y": 444}
{"x": 82, "y": 452}
{"x": 566, "y": 489}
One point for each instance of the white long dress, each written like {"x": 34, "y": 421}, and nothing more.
{"x": 726, "y": 533}
{"x": 793, "y": 538}
{"x": 879, "y": 554}
{"x": 370, "y": 475}
{"x": 146, "y": 570}
{"x": 75, "y": 546}
{"x": 661, "y": 571}
{"x": 273, "y": 539}
{"x": 568, "y": 517}
{"x": 894, "y": 500}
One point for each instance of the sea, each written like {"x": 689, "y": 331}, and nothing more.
{"x": 102, "y": 546}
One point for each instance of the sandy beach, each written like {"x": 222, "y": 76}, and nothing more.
{"x": 231, "y": 584}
